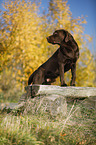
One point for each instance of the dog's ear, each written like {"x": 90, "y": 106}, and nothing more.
{"x": 67, "y": 36}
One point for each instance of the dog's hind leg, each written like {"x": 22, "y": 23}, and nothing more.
{"x": 39, "y": 76}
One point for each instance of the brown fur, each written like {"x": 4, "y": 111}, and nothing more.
{"x": 61, "y": 61}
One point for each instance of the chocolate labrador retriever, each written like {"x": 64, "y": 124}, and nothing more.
{"x": 60, "y": 62}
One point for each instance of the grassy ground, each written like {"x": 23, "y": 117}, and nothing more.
{"x": 77, "y": 128}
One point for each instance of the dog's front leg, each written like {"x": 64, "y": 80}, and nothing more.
{"x": 61, "y": 70}
{"x": 73, "y": 71}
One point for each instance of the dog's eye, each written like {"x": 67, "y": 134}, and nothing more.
{"x": 55, "y": 33}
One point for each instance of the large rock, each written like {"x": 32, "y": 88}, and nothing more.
{"x": 53, "y": 105}
{"x": 54, "y": 99}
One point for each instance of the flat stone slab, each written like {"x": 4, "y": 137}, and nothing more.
{"x": 76, "y": 92}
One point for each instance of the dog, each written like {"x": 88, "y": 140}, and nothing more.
{"x": 60, "y": 62}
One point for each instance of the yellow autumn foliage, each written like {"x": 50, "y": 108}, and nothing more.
{"x": 22, "y": 36}
{"x": 23, "y": 44}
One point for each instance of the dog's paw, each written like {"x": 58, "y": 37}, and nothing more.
{"x": 63, "y": 85}
{"x": 72, "y": 84}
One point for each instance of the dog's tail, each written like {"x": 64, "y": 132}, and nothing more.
{"x": 30, "y": 80}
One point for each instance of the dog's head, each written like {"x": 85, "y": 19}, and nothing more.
{"x": 59, "y": 36}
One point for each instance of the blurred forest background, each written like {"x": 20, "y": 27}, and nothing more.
{"x": 23, "y": 44}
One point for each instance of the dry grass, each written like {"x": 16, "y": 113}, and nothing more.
{"x": 78, "y": 128}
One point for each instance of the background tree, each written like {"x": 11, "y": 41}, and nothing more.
{"x": 21, "y": 39}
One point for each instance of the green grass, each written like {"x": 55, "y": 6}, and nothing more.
{"x": 77, "y": 128}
